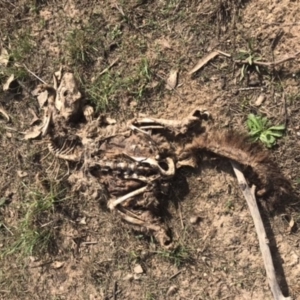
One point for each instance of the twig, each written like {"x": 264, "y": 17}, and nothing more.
{"x": 174, "y": 275}
{"x": 40, "y": 79}
{"x": 268, "y": 63}
{"x": 89, "y": 243}
{"x": 115, "y": 290}
{"x": 110, "y": 66}
{"x": 282, "y": 24}
{"x": 6, "y": 228}
{"x": 42, "y": 264}
{"x": 251, "y": 88}
{"x": 261, "y": 233}
{"x": 10, "y": 4}
{"x": 180, "y": 215}
{"x": 285, "y": 110}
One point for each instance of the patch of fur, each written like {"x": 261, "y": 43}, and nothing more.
{"x": 238, "y": 148}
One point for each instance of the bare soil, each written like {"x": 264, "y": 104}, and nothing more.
{"x": 55, "y": 245}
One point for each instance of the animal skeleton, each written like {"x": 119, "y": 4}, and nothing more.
{"x": 135, "y": 161}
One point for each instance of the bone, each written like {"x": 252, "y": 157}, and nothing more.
{"x": 113, "y": 203}
{"x": 159, "y": 232}
{"x": 47, "y": 121}
{"x": 170, "y": 172}
{"x": 88, "y": 112}
{"x": 180, "y": 126}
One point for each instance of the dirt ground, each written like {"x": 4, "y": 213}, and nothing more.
{"x": 56, "y": 245}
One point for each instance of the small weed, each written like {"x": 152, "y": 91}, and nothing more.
{"x": 21, "y": 51}
{"x": 107, "y": 89}
{"x": 149, "y": 296}
{"x": 293, "y": 98}
{"x": 22, "y": 47}
{"x": 260, "y": 129}
{"x": 82, "y": 46}
{"x": 178, "y": 256}
{"x": 102, "y": 91}
{"x": 229, "y": 206}
{"x": 249, "y": 57}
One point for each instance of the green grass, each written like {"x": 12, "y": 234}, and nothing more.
{"x": 20, "y": 51}
{"x": 34, "y": 232}
{"x": 22, "y": 47}
{"x": 82, "y": 47}
{"x": 177, "y": 256}
{"x": 108, "y": 89}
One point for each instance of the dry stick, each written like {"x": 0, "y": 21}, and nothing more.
{"x": 267, "y": 64}
{"x": 261, "y": 233}
{"x": 37, "y": 77}
{"x": 262, "y": 63}
{"x": 109, "y": 67}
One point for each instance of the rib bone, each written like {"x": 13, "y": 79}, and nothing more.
{"x": 113, "y": 203}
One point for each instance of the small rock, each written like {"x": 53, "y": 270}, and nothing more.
{"x": 133, "y": 104}
{"x": 82, "y": 221}
{"x": 57, "y": 264}
{"x": 138, "y": 269}
{"x": 260, "y": 100}
{"x": 195, "y": 220}
{"x": 32, "y": 259}
{"x": 22, "y": 174}
{"x": 172, "y": 80}
{"x": 128, "y": 277}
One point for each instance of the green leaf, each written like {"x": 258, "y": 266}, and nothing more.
{"x": 278, "y": 127}
{"x": 250, "y": 60}
{"x": 275, "y": 133}
{"x": 268, "y": 139}
{"x": 254, "y": 120}
{"x": 264, "y": 121}
{"x": 255, "y": 132}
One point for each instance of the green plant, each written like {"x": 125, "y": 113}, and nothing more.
{"x": 260, "y": 129}
{"x": 33, "y": 235}
{"x": 178, "y": 256}
{"x": 248, "y": 58}
{"x": 106, "y": 89}
{"x": 83, "y": 46}
{"x": 22, "y": 47}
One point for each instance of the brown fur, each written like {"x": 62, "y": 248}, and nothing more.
{"x": 238, "y": 148}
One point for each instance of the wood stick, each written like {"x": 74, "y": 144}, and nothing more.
{"x": 266, "y": 63}
{"x": 262, "y": 63}
{"x": 261, "y": 233}
{"x": 109, "y": 67}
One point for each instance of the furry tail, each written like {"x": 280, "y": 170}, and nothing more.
{"x": 239, "y": 149}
